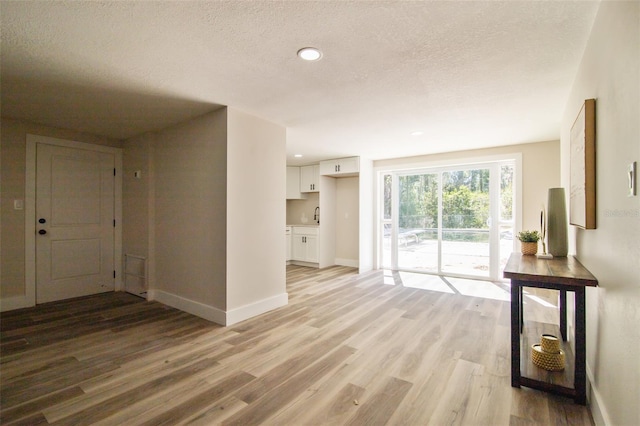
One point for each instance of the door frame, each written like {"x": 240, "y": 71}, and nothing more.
{"x": 30, "y": 208}
{"x": 437, "y": 164}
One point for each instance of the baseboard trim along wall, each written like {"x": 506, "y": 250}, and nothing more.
{"x": 353, "y": 263}
{"x": 16, "y": 302}
{"x": 217, "y": 315}
{"x": 187, "y": 305}
{"x": 260, "y": 307}
{"x": 598, "y": 410}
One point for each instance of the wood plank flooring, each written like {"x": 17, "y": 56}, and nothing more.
{"x": 372, "y": 349}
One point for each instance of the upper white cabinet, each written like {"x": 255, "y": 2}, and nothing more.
{"x": 293, "y": 184}
{"x": 309, "y": 178}
{"x": 349, "y": 166}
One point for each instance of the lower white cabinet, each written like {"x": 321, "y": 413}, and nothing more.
{"x": 305, "y": 244}
{"x": 288, "y": 243}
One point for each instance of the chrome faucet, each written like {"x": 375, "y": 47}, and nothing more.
{"x": 316, "y": 215}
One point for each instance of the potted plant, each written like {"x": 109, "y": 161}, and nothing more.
{"x": 529, "y": 241}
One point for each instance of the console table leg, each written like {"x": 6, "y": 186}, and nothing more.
{"x": 563, "y": 314}
{"x": 521, "y": 304}
{"x": 516, "y": 324}
{"x": 580, "y": 382}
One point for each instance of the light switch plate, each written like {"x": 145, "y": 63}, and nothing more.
{"x": 631, "y": 175}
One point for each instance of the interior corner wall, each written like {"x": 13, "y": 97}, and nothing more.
{"x": 256, "y": 215}
{"x": 327, "y": 230}
{"x": 13, "y": 144}
{"x": 189, "y": 215}
{"x": 610, "y": 73}
{"x": 347, "y": 221}
{"x": 136, "y": 198}
{"x": 366, "y": 245}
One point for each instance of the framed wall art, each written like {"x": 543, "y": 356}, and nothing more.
{"x": 582, "y": 195}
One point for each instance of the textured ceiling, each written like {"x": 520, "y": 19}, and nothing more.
{"x": 467, "y": 74}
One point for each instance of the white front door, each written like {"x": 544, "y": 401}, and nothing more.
{"x": 75, "y": 199}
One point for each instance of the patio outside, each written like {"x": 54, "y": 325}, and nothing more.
{"x": 418, "y": 250}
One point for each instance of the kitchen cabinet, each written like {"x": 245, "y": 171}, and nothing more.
{"x": 293, "y": 184}
{"x": 349, "y": 166}
{"x": 305, "y": 244}
{"x": 309, "y": 178}
{"x": 288, "y": 243}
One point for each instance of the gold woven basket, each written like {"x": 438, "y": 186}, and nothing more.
{"x": 548, "y": 361}
{"x": 550, "y": 344}
{"x": 528, "y": 247}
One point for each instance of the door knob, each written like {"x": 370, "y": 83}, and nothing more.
{"x": 42, "y": 220}
{"x": 42, "y": 232}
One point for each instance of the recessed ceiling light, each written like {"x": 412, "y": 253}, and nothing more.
{"x": 417, "y": 133}
{"x": 310, "y": 53}
{"x": 298, "y": 155}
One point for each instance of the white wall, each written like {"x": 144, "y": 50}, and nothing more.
{"x": 190, "y": 187}
{"x": 610, "y": 73}
{"x": 367, "y": 247}
{"x": 136, "y": 202}
{"x": 347, "y": 221}
{"x": 212, "y": 192}
{"x": 256, "y": 215}
{"x": 327, "y": 231}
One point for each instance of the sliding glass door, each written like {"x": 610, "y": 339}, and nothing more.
{"x": 465, "y": 222}
{"x": 417, "y": 239}
{"x": 506, "y": 226}
{"x": 440, "y": 220}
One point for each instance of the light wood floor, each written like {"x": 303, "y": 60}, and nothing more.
{"x": 371, "y": 349}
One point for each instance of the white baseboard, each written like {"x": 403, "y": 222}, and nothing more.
{"x": 596, "y": 404}
{"x": 187, "y": 305}
{"x": 353, "y": 263}
{"x": 260, "y": 307}
{"x": 301, "y": 263}
{"x": 16, "y": 302}
{"x": 217, "y": 315}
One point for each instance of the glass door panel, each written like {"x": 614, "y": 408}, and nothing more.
{"x": 507, "y": 207}
{"x": 417, "y": 230}
{"x": 454, "y": 220}
{"x": 386, "y": 223}
{"x": 465, "y": 222}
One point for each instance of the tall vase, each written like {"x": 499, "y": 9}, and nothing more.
{"x": 557, "y": 223}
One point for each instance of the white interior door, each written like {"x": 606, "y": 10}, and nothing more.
{"x": 75, "y": 239}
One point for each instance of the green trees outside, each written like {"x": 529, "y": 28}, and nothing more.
{"x": 506, "y": 192}
{"x": 465, "y": 199}
{"x": 418, "y": 201}
{"x": 465, "y": 208}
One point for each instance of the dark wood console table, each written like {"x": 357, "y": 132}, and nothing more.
{"x": 563, "y": 274}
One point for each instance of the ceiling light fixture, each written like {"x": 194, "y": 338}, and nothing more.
{"x": 417, "y": 133}
{"x": 298, "y": 155}
{"x": 309, "y": 53}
